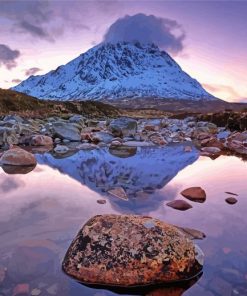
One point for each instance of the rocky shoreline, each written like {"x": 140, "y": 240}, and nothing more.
{"x": 61, "y": 136}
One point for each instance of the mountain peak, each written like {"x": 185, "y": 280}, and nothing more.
{"x": 116, "y": 71}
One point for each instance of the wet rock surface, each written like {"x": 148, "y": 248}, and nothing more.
{"x": 128, "y": 250}
{"x": 196, "y": 194}
{"x": 179, "y": 204}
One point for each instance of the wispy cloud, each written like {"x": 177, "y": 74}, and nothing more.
{"x": 32, "y": 71}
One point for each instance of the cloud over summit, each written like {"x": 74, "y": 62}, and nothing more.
{"x": 166, "y": 33}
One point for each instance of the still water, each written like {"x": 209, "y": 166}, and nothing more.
{"x": 42, "y": 211}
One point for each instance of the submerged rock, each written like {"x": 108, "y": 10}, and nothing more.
{"x": 18, "y": 157}
{"x": 179, "y": 204}
{"x": 129, "y": 250}
{"x": 231, "y": 200}
{"x": 196, "y": 194}
{"x": 20, "y": 170}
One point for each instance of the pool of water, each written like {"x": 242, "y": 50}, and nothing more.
{"x": 42, "y": 211}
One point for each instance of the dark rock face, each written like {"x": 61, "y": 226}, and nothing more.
{"x": 128, "y": 250}
{"x": 228, "y": 119}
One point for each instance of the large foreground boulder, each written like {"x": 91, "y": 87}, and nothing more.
{"x": 128, "y": 250}
{"x": 18, "y": 157}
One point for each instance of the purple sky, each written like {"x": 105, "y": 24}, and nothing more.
{"x": 207, "y": 38}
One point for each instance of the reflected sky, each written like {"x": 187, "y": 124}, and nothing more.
{"x": 47, "y": 207}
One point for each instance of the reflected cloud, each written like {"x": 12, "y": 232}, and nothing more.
{"x": 10, "y": 184}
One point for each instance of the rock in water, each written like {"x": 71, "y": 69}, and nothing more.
{"x": 18, "y": 157}
{"x": 179, "y": 204}
{"x": 231, "y": 200}
{"x": 196, "y": 194}
{"x": 129, "y": 250}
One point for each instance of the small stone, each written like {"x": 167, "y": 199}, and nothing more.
{"x": 61, "y": 149}
{"x": 101, "y": 201}
{"x": 187, "y": 149}
{"x": 211, "y": 150}
{"x": 196, "y": 194}
{"x": 179, "y": 204}
{"x": 118, "y": 192}
{"x": 193, "y": 233}
{"x": 21, "y": 289}
{"x": 231, "y": 200}
{"x": 228, "y": 192}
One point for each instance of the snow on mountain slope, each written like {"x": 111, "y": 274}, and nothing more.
{"x": 116, "y": 71}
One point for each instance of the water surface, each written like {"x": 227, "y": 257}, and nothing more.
{"x": 42, "y": 211}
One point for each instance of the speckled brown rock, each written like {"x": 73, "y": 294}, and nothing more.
{"x": 128, "y": 250}
{"x": 18, "y": 156}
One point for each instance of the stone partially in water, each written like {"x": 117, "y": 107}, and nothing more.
{"x": 179, "y": 204}
{"x": 196, "y": 194}
{"x": 18, "y": 157}
{"x": 129, "y": 250}
{"x": 20, "y": 170}
{"x": 231, "y": 200}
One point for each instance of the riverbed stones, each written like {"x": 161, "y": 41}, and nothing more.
{"x": 18, "y": 157}
{"x": 196, "y": 194}
{"x": 129, "y": 250}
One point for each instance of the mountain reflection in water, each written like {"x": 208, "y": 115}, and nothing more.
{"x": 42, "y": 211}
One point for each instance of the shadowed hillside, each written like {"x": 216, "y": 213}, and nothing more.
{"x": 16, "y": 102}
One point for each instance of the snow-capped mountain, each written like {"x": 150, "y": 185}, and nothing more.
{"x": 116, "y": 71}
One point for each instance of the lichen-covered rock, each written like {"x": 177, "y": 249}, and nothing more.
{"x": 18, "y": 157}
{"x": 129, "y": 250}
